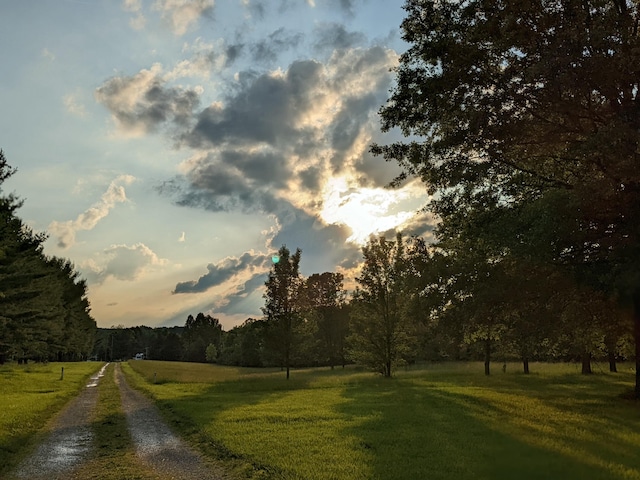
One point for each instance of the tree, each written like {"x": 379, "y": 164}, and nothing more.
{"x": 531, "y": 106}
{"x": 323, "y": 296}
{"x": 199, "y": 333}
{"x": 381, "y": 336}
{"x": 282, "y": 308}
{"x": 44, "y": 311}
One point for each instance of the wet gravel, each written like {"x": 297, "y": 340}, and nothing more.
{"x": 155, "y": 443}
{"x": 71, "y": 440}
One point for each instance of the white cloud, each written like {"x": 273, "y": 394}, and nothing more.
{"x": 205, "y": 57}
{"x": 142, "y": 103}
{"x": 138, "y": 21}
{"x": 182, "y": 14}
{"x": 122, "y": 262}
{"x": 66, "y": 231}
{"x": 73, "y": 105}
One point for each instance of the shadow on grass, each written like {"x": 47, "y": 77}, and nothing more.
{"x": 431, "y": 425}
{"x": 510, "y": 428}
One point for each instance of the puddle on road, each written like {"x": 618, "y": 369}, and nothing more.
{"x": 93, "y": 381}
{"x": 69, "y": 441}
{"x": 62, "y": 451}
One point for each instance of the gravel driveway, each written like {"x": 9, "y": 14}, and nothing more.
{"x": 71, "y": 440}
{"x": 154, "y": 441}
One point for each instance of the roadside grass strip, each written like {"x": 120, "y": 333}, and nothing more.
{"x": 30, "y": 396}
{"x": 114, "y": 456}
{"x": 445, "y": 421}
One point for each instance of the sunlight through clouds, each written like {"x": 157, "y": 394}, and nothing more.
{"x": 365, "y": 211}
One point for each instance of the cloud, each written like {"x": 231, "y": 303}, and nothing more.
{"x": 182, "y": 14}
{"x": 332, "y": 36}
{"x": 224, "y": 270}
{"x": 66, "y": 231}
{"x": 278, "y": 137}
{"x": 142, "y": 103}
{"x": 274, "y": 44}
{"x": 122, "y": 262}
{"x": 73, "y": 105}
{"x": 205, "y": 57}
{"x": 270, "y": 109}
{"x": 182, "y": 238}
{"x": 138, "y": 21}
{"x": 246, "y": 299}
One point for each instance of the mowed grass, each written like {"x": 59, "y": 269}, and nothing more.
{"x": 29, "y": 396}
{"x": 444, "y": 421}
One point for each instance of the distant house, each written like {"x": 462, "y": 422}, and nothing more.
{"x": 139, "y": 356}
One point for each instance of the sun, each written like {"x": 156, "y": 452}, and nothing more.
{"x": 367, "y": 211}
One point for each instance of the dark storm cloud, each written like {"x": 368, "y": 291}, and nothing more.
{"x": 221, "y": 192}
{"x": 143, "y": 102}
{"x": 332, "y": 36}
{"x": 275, "y": 44}
{"x": 266, "y": 112}
{"x": 223, "y": 271}
{"x": 231, "y": 180}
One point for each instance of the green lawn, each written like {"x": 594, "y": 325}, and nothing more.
{"x": 444, "y": 421}
{"x": 29, "y": 396}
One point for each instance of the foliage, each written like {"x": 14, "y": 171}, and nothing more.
{"x": 282, "y": 308}
{"x": 198, "y": 334}
{"x": 381, "y": 335}
{"x": 524, "y": 124}
{"x": 212, "y": 353}
{"x": 44, "y": 310}
{"x": 323, "y": 296}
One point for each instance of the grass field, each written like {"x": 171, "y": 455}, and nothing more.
{"x": 29, "y": 396}
{"x": 444, "y": 421}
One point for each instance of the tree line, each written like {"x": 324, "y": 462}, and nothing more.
{"x": 44, "y": 310}
{"x": 413, "y": 302}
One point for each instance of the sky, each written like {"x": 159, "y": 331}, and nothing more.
{"x": 170, "y": 147}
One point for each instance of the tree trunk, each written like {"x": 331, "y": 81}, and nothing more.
{"x": 612, "y": 362}
{"x": 525, "y": 365}
{"x": 586, "y": 363}
{"x": 636, "y": 335}
{"x": 487, "y": 356}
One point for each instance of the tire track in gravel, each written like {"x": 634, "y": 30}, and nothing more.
{"x": 70, "y": 440}
{"x": 155, "y": 443}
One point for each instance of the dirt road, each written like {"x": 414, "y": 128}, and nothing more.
{"x": 70, "y": 442}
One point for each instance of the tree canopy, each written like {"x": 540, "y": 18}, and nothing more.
{"x": 523, "y": 120}
{"x": 44, "y": 310}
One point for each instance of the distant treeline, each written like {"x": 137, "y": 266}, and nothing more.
{"x": 44, "y": 311}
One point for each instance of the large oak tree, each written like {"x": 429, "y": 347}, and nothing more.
{"x": 511, "y": 107}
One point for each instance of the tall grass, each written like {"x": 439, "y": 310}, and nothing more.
{"x": 29, "y": 396}
{"x": 439, "y": 422}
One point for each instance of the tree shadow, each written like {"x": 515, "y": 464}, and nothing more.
{"x": 441, "y": 431}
